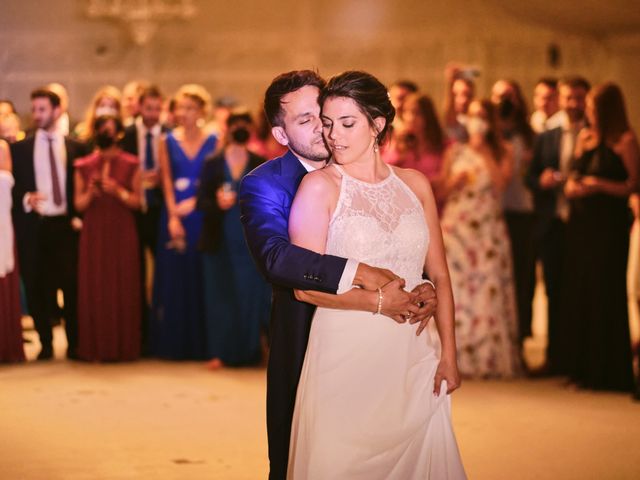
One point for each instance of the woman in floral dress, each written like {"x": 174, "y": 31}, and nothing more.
{"x": 478, "y": 249}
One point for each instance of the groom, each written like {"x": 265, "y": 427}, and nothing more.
{"x": 266, "y": 195}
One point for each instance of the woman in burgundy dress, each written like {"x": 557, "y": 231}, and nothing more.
{"x": 107, "y": 191}
{"x": 10, "y": 313}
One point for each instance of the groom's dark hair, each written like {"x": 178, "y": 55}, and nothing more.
{"x": 284, "y": 84}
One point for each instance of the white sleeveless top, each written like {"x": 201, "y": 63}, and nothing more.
{"x": 7, "y": 262}
{"x": 381, "y": 224}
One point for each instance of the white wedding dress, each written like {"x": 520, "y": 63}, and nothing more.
{"x": 365, "y": 407}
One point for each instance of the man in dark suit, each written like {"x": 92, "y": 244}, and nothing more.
{"x": 552, "y": 157}
{"x": 266, "y": 195}
{"x": 43, "y": 211}
{"x": 142, "y": 138}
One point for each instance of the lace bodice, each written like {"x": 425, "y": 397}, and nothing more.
{"x": 381, "y": 224}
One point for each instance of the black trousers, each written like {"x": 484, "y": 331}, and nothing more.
{"x": 521, "y": 227}
{"x": 552, "y": 253}
{"x": 54, "y": 265}
{"x": 290, "y": 326}
{"x": 148, "y": 224}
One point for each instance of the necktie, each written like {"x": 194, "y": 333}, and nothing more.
{"x": 149, "y": 164}
{"x": 55, "y": 182}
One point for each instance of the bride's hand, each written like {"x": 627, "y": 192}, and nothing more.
{"x": 427, "y": 301}
{"x": 447, "y": 370}
{"x": 397, "y": 303}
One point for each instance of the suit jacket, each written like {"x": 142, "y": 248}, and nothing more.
{"x": 27, "y": 224}
{"x": 129, "y": 144}
{"x": 265, "y": 197}
{"x": 211, "y": 179}
{"x": 546, "y": 154}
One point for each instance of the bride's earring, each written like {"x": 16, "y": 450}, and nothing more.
{"x": 375, "y": 147}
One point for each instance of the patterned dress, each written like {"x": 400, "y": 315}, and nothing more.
{"x": 480, "y": 265}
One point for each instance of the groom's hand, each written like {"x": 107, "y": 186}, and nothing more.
{"x": 427, "y": 301}
{"x": 397, "y": 303}
{"x": 372, "y": 278}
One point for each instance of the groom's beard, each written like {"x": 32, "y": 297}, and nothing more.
{"x": 316, "y": 152}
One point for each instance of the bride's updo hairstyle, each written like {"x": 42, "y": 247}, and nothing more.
{"x": 367, "y": 92}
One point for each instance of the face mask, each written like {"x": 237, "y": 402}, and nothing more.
{"x": 462, "y": 119}
{"x": 506, "y": 108}
{"x": 101, "y": 111}
{"x": 104, "y": 140}
{"x": 477, "y": 126}
{"x": 240, "y": 135}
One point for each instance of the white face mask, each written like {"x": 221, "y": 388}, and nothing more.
{"x": 477, "y": 126}
{"x": 100, "y": 111}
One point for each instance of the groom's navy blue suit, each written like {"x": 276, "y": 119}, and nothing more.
{"x": 265, "y": 196}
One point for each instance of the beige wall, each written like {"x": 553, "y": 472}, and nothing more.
{"x": 237, "y": 48}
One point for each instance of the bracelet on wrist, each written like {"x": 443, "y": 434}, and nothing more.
{"x": 380, "y": 297}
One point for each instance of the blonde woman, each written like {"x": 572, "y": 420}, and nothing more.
{"x": 106, "y": 101}
{"x": 177, "y": 321}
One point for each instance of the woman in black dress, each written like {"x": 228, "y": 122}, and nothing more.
{"x": 603, "y": 176}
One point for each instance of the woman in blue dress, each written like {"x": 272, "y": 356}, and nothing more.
{"x": 237, "y": 298}
{"x": 177, "y": 327}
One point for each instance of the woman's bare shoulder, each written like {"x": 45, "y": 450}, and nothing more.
{"x": 415, "y": 180}
{"x": 323, "y": 180}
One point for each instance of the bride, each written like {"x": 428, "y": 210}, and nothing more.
{"x": 373, "y": 399}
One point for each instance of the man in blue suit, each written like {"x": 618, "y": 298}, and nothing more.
{"x": 266, "y": 195}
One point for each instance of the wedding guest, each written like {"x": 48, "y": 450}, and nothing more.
{"x": 168, "y": 115}
{"x": 177, "y": 329}
{"x": 221, "y": 110}
{"x": 553, "y": 153}
{"x": 10, "y": 128}
{"x": 234, "y": 321}
{"x": 398, "y": 93}
{"x": 262, "y": 142}
{"x": 107, "y": 185}
{"x": 601, "y": 179}
{"x": 9, "y": 122}
{"x": 545, "y": 104}
{"x": 459, "y": 92}
{"x": 10, "y": 309}
{"x": 478, "y": 249}
{"x": 142, "y": 139}
{"x": 131, "y": 100}
{"x": 420, "y": 142}
{"x": 6, "y": 107}
{"x": 44, "y": 219}
{"x": 106, "y": 101}
{"x": 517, "y": 200}
{"x": 63, "y": 123}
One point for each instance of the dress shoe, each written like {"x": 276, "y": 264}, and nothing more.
{"x": 45, "y": 354}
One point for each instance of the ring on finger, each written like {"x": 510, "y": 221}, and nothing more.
{"x": 420, "y": 304}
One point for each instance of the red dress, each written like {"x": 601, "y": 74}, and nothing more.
{"x": 10, "y": 318}
{"x": 108, "y": 269}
